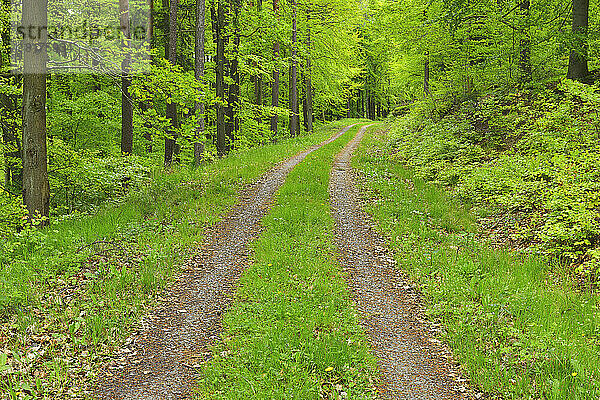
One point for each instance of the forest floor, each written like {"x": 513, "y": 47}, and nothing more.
{"x": 413, "y": 362}
{"x": 161, "y": 361}
{"x": 179, "y": 340}
{"x": 325, "y": 274}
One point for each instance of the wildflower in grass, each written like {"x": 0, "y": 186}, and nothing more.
{"x": 328, "y": 369}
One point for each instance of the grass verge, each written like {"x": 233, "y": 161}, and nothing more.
{"x": 518, "y": 333}
{"x": 70, "y": 294}
{"x": 292, "y": 331}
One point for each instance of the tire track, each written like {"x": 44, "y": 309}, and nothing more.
{"x": 160, "y": 361}
{"x": 412, "y": 363}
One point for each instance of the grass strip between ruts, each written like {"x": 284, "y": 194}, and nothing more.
{"x": 517, "y": 332}
{"x": 292, "y": 331}
{"x": 70, "y": 294}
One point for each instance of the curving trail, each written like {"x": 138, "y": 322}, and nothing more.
{"x": 413, "y": 365}
{"x": 160, "y": 361}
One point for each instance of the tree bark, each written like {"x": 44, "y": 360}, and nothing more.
{"x": 309, "y": 93}
{"x": 199, "y": 74}
{"x": 275, "y": 87}
{"x": 36, "y": 189}
{"x": 426, "y": 91}
{"x": 525, "y": 71}
{"x": 126, "y": 104}
{"x": 578, "y": 58}
{"x": 294, "y": 76}
{"x": 218, "y": 17}
{"x": 258, "y": 81}
{"x": 170, "y": 140}
{"x": 147, "y": 105}
{"x": 234, "y": 88}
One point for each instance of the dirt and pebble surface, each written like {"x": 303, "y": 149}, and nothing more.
{"x": 413, "y": 363}
{"x": 160, "y": 360}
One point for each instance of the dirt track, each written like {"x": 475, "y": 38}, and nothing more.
{"x": 160, "y": 361}
{"x": 413, "y": 365}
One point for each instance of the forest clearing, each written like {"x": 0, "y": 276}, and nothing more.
{"x": 299, "y": 199}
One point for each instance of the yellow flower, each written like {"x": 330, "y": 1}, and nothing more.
{"x": 328, "y": 369}
{"x": 574, "y": 374}
{"x": 269, "y": 265}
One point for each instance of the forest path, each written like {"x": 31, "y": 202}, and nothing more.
{"x": 412, "y": 363}
{"x": 160, "y": 361}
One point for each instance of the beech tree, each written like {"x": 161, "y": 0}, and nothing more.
{"x": 36, "y": 188}
{"x": 170, "y": 140}
{"x": 578, "y": 57}
{"x": 199, "y": 75}
{"x": 126, "y": 104}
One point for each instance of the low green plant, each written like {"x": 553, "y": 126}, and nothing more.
{"x": 523, "y": 157}
{"x": 70, "y": 293}
{"x": 292, "y": 331}
{"x": 518, "y": 330}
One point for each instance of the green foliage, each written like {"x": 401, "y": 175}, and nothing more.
{"x": 84, "y": 281}
{"x": 531, "y": 156}
{"x": 517, "y": 333}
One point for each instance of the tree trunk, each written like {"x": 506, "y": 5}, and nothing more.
{"x": 36, "y": 189}
{"x": 578, "y": 58}
{"x": 525, "y": 43}
{"x": 294, "y": 77}
{"x": 218, "y": 17}
{"x": 304, "y": 103}
{"x": 234, "y": 88}
{"x": 309, "y": 93}
{"x": 147, "y": 105}
{"x": 170, "y": 140}
{"x": 126, "y": 104}
{"x": 8, "y": 125}
{"x": 258, "y": 80}
{"x": 426, "y": 91}
{"x": 275, "y": 87}
{"x": 349, "y": 106}
{"x": 199, "y": 74}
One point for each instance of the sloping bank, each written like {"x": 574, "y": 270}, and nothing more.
{"x": 516, "y": 331}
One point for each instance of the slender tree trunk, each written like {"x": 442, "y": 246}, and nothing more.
{"x": 36, "y": 189}
{"x": 426, "y": 91}
{"x": 6, "y": 105}
{"x": 218, "y": 17}
{"x": 234, "y": 88}
{"x": 294, "y": 76}
{"x": 578, "y": 58}
{"x": 170, "y": 140}
{"x": 126, "y": 104}
{"x": 349, "y": 107}
{"x": 525, "y": 43}
{"x": 309, "y": 93}
{"x": 147, "y": 105}
{"x": 258, "y": 80}
{"x": 304, "y": 103}
{"x": 275, "y": 87}
{"x": 199, "y": 74}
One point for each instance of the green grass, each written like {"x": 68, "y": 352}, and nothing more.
{"x": 519, "y": 332}
{"x": 70, "y": 294}
{"x": 292, "y": 332}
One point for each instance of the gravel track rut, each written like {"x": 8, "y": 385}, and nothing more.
{"x": 160, "y": 361}
{"x": 413, "y": 364}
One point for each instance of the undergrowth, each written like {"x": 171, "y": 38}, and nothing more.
{"x": 526, "y": 161}
{"x": 292, "y": 331}
{"x": 70, "y": 293}
{"x": 518, "y": 333}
